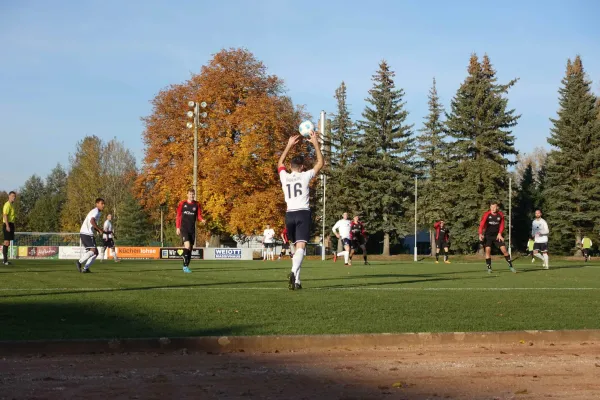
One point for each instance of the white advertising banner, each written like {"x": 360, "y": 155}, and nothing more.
{"x": 70, "y": 252}
{"x": 225, "y": 253}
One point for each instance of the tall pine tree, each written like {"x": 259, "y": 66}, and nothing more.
{"x": 385, "y": 160}
{"x": 340, "y": 151}
{"x": 433, "y": 165}
{"x": 524, "y": 209}
{"x": 573, "y": 170}
{"x": 479, "y": 122}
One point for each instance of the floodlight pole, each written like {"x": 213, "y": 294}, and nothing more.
{"x": 509, "y": 215}
{"x": 196, "y": 123}
{"x": 416, "y": 198}
{"x": 324, "y": 181}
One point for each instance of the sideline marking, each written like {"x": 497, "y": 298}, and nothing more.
{"x": 490, "y": 289}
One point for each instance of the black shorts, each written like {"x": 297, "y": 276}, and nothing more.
{"x": 490, "y": 240}
{"x": 8, "y": 236}
{"x": 357, "y": 243}
{"x": 110, "y": 243}
{"x": 89, "y": 242}
{"x": 346, "y": 241}
{"x": 269, "y": 245}
{"x": 541, "y": 247}
{"x": 188, "y": 235}
{"x": 298, "y": 224}
{"x": 441, "y": 244}
{"x": 285, "y": 246}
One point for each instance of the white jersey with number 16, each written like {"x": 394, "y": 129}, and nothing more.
{"x": 295, "y": 188}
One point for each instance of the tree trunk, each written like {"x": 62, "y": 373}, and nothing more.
{"x": 578, "y": 252}
{"x": 432, "y": 241}
{"x": 386, "y": 244}
{"x": 215, "y": 240}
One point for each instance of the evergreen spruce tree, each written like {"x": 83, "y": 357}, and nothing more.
{"x": 479, "y": 122}
{"x": 340, "y": 149}
{"x": 433, "y": 166}
{"x": 524, "y": 209}
{"x": 132, "y": 228}
{"x": 573, "y": 170}
{"x": 385, "y": 160}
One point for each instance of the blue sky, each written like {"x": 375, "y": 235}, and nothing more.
{"x": 75, "y": 68}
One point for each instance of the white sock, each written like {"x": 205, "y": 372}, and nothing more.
{"x": 538, "y": 255}
{"x": 90, "y": 261}
{"x": 346, "y": 256}
{"x": 115, "y": 254}
{"x": 297, "y": 263}
{"x": 546, "y": 259}
{"x": 103, "y": 253}
{"x": 86, "y": 256}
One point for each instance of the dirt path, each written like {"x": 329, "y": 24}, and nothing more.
{"x": 520, "y": 371}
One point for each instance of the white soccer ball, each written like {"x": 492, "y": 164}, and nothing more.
{"x": 305, "y": 128}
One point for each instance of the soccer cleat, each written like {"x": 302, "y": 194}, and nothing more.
{"x": 187, "y": 270}
{"x": 78, "y": 264}
{"x": 297, "y": 286}
{"x": 447, "y": 262}
{"x": 367, "y": 263}
{"x": 86, "y": 271}
{"x": 533, "y": 260}
{"x": 291, "y": 281}
{"x": 489, "y": 270}
{"x": 514, "y": 271}
{"x": 6, "y": 263}
{"x": 546, "y": 267}
{"x": 334, "y": 257}
{"x": 437, "y": 262}
{"x": 349, "y": 263}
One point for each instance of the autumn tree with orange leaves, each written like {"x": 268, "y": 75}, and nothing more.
{"x": 249, "y": 121}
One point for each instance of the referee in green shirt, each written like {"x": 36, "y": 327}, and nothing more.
{"x": 8, "y": 224}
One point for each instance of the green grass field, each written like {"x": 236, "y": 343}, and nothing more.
{"x": 51, "y": 300}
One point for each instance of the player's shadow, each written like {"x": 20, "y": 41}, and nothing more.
{"x": 540, "y": 269}
{"x": 386, "y": 283}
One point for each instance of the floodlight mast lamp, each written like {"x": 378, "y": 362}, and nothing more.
{"x": 194, "y": 115}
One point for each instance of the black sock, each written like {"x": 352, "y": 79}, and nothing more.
{"x": 5, "y": 253}
{"x": 437, "y": 256}
{"x": 488, "y": 262}
{"x": 187, "y": 256}
{"x": 508, "y": 260}
{"x": 365, "y": 257}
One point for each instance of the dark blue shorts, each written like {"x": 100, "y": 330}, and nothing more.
{"x": 298, "y": 225}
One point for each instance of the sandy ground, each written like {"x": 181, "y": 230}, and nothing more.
{"x": 514, "y": 371}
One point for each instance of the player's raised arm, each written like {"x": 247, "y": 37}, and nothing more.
{"x": 314, "y": 139}
{"x": 291, "y": 143}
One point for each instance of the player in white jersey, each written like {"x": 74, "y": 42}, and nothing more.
{"x": 341, "y": 229}
{"x": 540, "y": 232}
{"x": 296, "y": 192}
{"x": 108, "y": 239}
{"x": 86, "y": 234}
{"x": 269, "y": 243}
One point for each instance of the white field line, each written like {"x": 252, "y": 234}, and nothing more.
{"x": 350, "y": 288}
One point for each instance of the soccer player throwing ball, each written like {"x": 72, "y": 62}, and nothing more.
{"x": 490, "y": 233}
{"x": 540, "y": 232}
{"x": 188, "y": 212}
{"x": 296, "y": 193}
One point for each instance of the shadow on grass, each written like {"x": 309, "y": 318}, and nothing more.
{"x": 90, "y": 320}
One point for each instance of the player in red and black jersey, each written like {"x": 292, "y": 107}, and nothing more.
{"x": 491, "y": 228}
{"x": 188, "y": 212}
{"x": 358, "y": 238}
{"x": 442, "y": 240}
{"x": 286, "y": 243}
